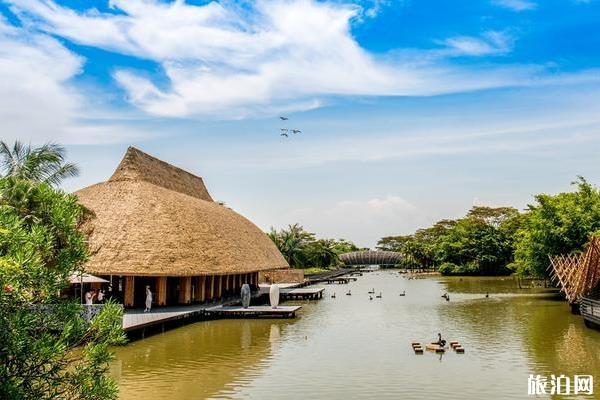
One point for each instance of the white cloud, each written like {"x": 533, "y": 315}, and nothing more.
{"x": 362, "y": 218}
{"x": 490, "y": 43}
{"x": 229, "y": 61}
{"x": 516, "y": 5}
{"x": 37, "y": 101}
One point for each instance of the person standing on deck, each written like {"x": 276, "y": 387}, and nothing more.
{"x": 148, "y": 299}
{"x": 101, "y": 296}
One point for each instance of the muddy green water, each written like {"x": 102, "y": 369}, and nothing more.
{"x": 352, "y": 347}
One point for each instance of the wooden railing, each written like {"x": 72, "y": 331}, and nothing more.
{"x": 590, "y": 309}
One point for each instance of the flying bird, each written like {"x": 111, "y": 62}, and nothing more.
{"x": 284, "y": 134}
{"x": 294, "y": 131}
{"x": 284, "y": 118}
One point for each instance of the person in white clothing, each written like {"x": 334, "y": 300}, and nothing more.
{"x": 89, "y": 298}
{"x": 148, "y": 299}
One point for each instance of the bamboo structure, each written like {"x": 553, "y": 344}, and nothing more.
{"x": 371, "y": 257}
{"x": 577, "y": 274}
{"x": 153, "y": 224}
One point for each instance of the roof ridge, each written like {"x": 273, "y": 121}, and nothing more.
{"x": 137, "y": 165}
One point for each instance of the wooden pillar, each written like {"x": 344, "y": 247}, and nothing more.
{"x": 227, "y": 284}
{"x": 219, "y": 286}
{"x": 185, "y": 290}
{"x": 128, "y": 298}
{"x": 207, "y": 285}
{"x": 161, "y": 291}
{"x": 200, "y": 289}
{"x": 239, "y": 281}
{"x": 213, "y": 284}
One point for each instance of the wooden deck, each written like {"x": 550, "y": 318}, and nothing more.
{"x": 324, "y": 276}
{"x": 303, "y": 293}
{"x": 137, "y": 319}
{"x": 342, "y": 280}
{"x": 253, "y": 311}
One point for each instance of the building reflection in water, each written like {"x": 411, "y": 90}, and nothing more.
{"x": 196, "y": 361}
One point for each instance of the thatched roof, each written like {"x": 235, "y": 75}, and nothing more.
{"x": 152, "y": 218}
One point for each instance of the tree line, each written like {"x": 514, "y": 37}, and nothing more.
{"x": 503, "y": 240}
{"x": 301, "y": 249}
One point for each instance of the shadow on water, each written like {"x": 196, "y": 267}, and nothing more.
{"x": 195, "y": 361}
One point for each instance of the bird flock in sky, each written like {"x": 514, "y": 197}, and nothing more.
{"x": 285, "y": 132}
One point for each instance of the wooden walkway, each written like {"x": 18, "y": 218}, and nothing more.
{"x": 137, "y": 319}
{"x": 304, "y": 293}
{"x": 325, "y": 276}
{"x": 253, "y": 311}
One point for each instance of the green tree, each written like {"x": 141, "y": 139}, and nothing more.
{"x": 482, "y": 242}
{"x": 47, "y": 349}
{"x": 292, "y": 243}
{"x": 40, "y": 164}
{"x": 302, "y": 249}
{"x": 556, "y": 224}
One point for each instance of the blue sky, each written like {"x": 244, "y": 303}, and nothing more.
{"x": 410, "y": 111}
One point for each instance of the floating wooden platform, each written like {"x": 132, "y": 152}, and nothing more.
{"x": 417, "y": 348}
{"x": 303, "y": 293}
{"x": 435, "y": 347}
{"x": 254, "y": 311}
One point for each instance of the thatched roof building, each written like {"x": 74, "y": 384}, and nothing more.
{"x": 154, "y": 219}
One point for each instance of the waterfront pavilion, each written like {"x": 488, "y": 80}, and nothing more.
{"x": 155, "y": 224}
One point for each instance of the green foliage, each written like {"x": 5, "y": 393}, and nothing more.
{"x": 558, "y": 224}
{"x": 481, "y": 243}
{"x": 42, "y": 164}
{"x": 47, "y": 350}
{"x": 302, "y": 249}
{"x": 448, "y": 268}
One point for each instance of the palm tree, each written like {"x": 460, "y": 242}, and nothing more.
{"x": 292, "y": 243}
{"x": 40, "y": 164}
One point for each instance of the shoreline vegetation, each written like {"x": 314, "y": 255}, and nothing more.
{"x": 502, "y": 241}
{"x": 301, "y": 249}
{"x": 487, "y": 241}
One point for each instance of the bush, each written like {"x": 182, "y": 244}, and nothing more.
{"x": 448, "y": 268}
{"x": 47, "y": 350}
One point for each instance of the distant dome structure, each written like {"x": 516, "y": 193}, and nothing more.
{"x": 155, "y": 224}
{"x": 371, "y": 257}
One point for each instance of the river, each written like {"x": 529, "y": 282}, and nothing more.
{"x": 350, "y": 347}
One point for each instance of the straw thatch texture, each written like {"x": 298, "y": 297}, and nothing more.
{"x": 145, "y": 224}
{"x": 139, "y": 166}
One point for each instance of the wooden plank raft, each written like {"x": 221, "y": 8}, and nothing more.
{"x": 417, "y": 348}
